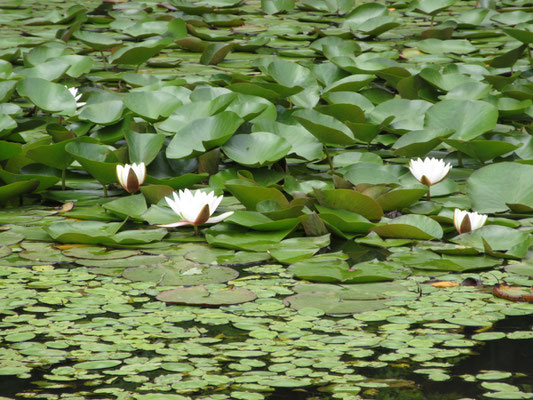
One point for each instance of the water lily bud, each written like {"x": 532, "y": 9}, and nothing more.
{"x": 131, "y": 177}
{"x": 465, "y": 221}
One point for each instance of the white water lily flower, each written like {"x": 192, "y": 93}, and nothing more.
{"x": 195, "y": 208}
{"x": 430, "y": 171}
{"x": 132, "y": 176}
{"x": 74, "y": 92}
{"x": 465, "y": 221}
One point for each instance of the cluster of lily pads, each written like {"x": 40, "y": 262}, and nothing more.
{"x": 345, "y": 144}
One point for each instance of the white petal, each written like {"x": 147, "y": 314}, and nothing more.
{"x": 125, "y": 173}
{"x": 140, "y": 172}
{"x": 174, "y": 205}
{"x": 215, "y": 202}
{"x": 219, "y": 218}
{"x": 415, "y": 166}
{"x": 458, "y": 216}
{"x": 119, "y": 174}
{"x": 73, "y": 91}
{"x": 477, "y": 220}
{"x": 191, "y": 204}
{"x": 175, "y": 224}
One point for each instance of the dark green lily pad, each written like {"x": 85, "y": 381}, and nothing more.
{"x": 350, "y": 200}
{"x": 410, "y": 227}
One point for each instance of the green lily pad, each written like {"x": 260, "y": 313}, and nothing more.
{"x": 102, "y": 108}
{"x": 94, "y": 232}
{"x": 203, "y": 134}
{"x": 48, "y": 96}
{"x": 104, "y": 364}
{"x": 256, "y": 149}
{"x": 99, "y": 253}
{"x": 152, "y": 105}
{"x": 175, "y": 273}
{"x": 400, "y": 198}
{"x": 469, "y": 118}
{"x": 338, "y": 271}
{"x": 491, "y": 190}
{"x": 138, "y": 53}
{"x": 482, "y": 150}
{"x": 344, "y": 220}
{"x": 325, "y": 128}
{"x": 16, "y": 189}
{"x": 496, "y": 240}
{"x": 411, "y": 227}
{"x": 349, "y": 200}
{"x": 342, "y": 299}
{"x": 232, "y": 237}
{"x": 32, "y": 172}
{"x": 96, "y": 159}
{"x": 199, "y": 295}
{"x": 128, "y": 206}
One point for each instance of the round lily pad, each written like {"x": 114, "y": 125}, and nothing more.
{"x": 174, "y": 273}
{"x": 99, "y": 253}
{"x": 103, "y": 364}
{"x": 199, "y": 295}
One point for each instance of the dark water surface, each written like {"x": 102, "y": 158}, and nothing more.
{"x": 502, "y": 355}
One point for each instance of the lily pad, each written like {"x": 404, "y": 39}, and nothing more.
{"x": 176, "y": 273}
{"x": 199, "y": 295}
{"x": 411, "y": 227}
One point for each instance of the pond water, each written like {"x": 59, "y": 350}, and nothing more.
{"x": 333, "y": 149}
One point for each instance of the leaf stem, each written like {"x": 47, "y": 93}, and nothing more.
{"x": 328, "y": 157}
{"x": 104, "y": 59}
{"x": 63, "y": 176}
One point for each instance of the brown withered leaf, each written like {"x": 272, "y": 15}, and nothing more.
{"x": 513, "y": 293}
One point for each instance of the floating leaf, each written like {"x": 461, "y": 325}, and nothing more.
{"x": 199, "y": 295}
{"x": 176, "y": 273}
{"x": 325, "y": 128}
{"x": 138, "y": 53}
{"x": 203, "y": 134}
{"x": 214, "y": 53}
{"x": 410, "y": 226}
{"x": 256, "y": 149}
{"x": 338, "y": 271}
{"x": 492, "y": 190}
{"x": 469, "y": 118}
{"x": 513, "y": 293}
{"x": 496, "y": 240}
{"x": 151, "y": 105}
{"x": 350, "y": 200}
{"x": 48, "y": 96}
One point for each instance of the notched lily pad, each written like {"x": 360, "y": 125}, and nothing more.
{"x": 343, "y": 299}
{"x": 199, "y": 295}
{"x": 338, "y": 270}
{"x": 174, "y": 273}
